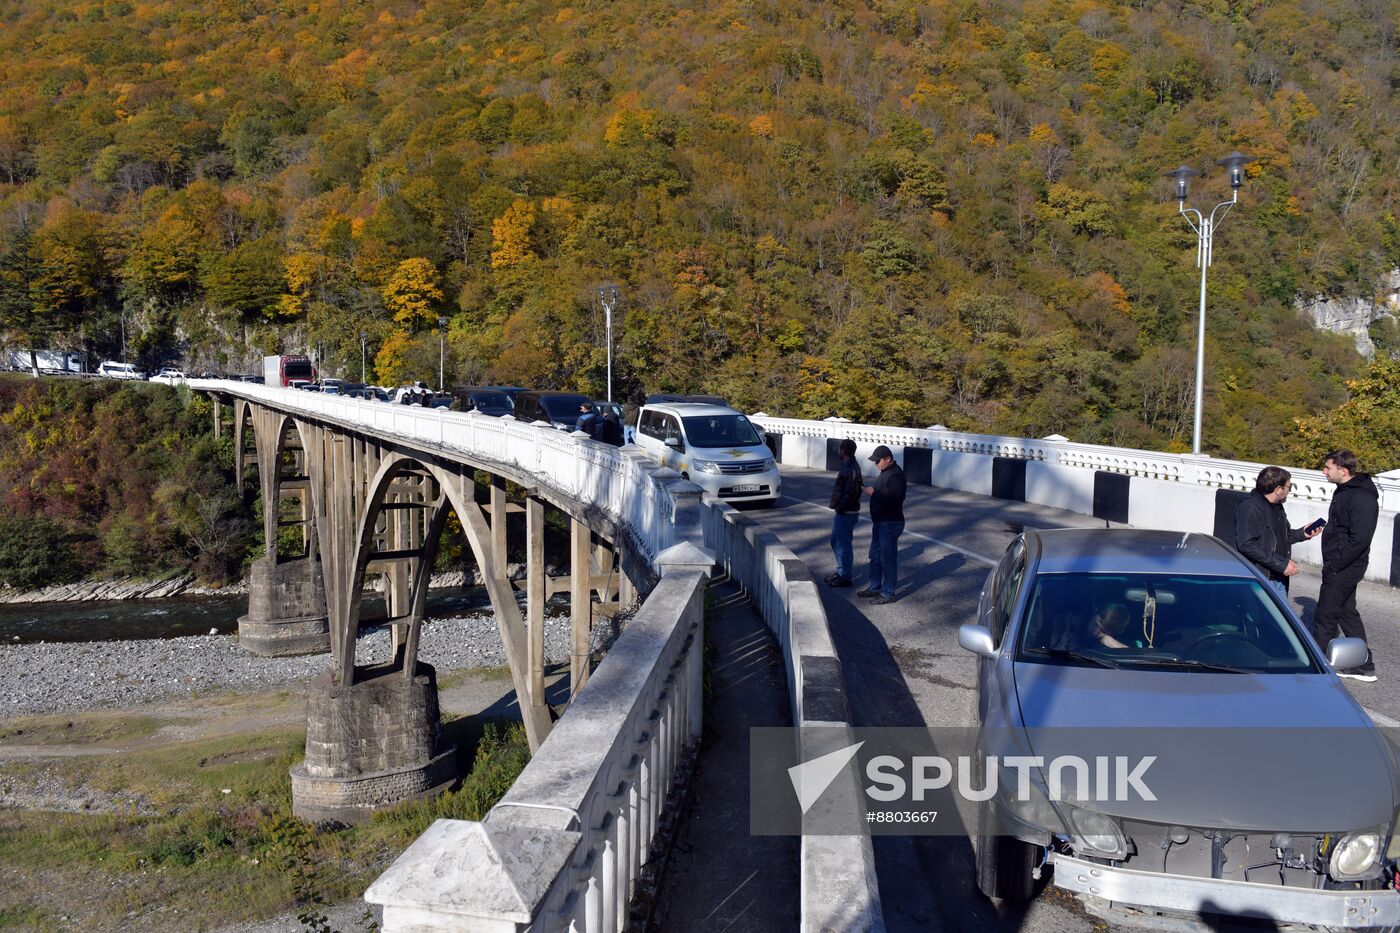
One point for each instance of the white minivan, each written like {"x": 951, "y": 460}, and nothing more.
{"x": 715, "y": 447}
{"x": 114, "y": 370}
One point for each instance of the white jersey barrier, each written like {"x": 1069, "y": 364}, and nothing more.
{"x": 1146, "y": 489}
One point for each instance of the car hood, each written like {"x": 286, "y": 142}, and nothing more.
{"x": 1265, "y": 752}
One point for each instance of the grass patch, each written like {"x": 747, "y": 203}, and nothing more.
{"x": 87, "y": 729}
{"x": 210, "y": 857}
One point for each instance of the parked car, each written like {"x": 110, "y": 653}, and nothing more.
{"x": 169, "y": 376}
{"x": 662, "y": 398}
{"x": 558, "y": 409}
{"x": 491, "y": 402}
{"x": 510, "y": 391}
{"x": 112, "y": 369}
{"x": 713, "y": 446}
{"x": 1273, "y": 795}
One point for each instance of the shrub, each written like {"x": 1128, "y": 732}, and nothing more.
{"x": 34, "y": 552}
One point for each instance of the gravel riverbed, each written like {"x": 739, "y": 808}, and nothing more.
{"x": 58, "y": 677}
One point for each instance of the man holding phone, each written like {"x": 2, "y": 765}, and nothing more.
{"x": 1261, "y": 528}
{"x": 1346, "y": 550}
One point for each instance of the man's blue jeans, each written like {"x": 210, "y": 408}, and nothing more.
{"x": 843, "y": 526}
{"x": 884, "y": 556}
{"x": 1278, "y": 588}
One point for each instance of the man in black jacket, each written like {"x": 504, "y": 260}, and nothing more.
{"x": 845, "y": 502}
{"x": 1261, "y": 528}
{"x": 1346, "y": 549}
{"x": 886, "y": 525}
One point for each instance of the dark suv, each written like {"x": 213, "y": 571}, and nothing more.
{"x": 491, "y": 402}
{"x": 560, "y": 409}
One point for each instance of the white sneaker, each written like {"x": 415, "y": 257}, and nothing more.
{"x": 1368, "y": 677}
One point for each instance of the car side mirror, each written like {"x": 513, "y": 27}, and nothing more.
{"x": 1346, "y": 653}
{"x": 674, "y": 442}
{"x": 977, "y": 639}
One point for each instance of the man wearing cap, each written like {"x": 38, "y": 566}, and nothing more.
{"x": 845, "y": 502}
{"x": 886, "y": 525}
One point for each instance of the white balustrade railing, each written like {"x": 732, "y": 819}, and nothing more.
{"x": 1197, "y": 470}
{"x": 595, "y": 475}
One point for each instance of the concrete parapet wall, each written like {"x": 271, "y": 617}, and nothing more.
{"x": 839, "y": 888}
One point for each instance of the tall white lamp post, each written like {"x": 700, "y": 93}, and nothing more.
{"x": 1205, "y": 225}
{"x": 607, "y": 297}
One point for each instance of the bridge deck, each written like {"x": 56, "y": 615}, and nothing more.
{"x": 903, "y": 667}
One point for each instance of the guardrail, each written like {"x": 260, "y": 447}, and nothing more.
{"x": 1147, "y": 489}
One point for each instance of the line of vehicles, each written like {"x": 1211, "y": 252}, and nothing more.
{"x": 699, "y": 436}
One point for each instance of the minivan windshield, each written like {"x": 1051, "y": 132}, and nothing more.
{"x": 720, "y": 431}
{"x": 1160, "y": 621}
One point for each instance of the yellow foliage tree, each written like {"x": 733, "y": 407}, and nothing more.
{"x": 392, "y": 363}
{"x": 510, "y": 234}
{"x": 412, "y": 294}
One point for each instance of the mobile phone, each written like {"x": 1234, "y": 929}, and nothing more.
{"x": 1309, "y": 529}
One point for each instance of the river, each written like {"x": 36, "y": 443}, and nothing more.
{"x": 176, "y": 616}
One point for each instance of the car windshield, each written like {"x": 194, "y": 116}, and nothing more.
{"x": 563, "y": 409}
{"x": 297, "y": 369}
{"x": 492, "y": 401}
{"x": 1160, "y": 621}
{"x": 720, "y": 431}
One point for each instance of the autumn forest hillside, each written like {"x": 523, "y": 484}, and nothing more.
{"x": 907, "y": 212}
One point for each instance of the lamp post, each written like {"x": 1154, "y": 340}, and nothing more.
{"x": 1204, "y": 226}
{"x": 607, "y": 297}
{"x": 442, "y": 352}
{"x": 363, "y": 338}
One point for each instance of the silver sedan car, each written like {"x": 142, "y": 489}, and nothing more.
{"x": 1171, "y": 741}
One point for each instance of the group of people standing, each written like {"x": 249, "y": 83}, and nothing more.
{"x": 1262, "y": 535}
{"x": 886, "y": 494}
{"x": 606, "y": 429}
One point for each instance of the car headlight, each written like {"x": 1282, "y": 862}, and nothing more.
{"x": 705, "y": 466}
{"x": 1355, "y": 857}
{"x": 769, "y": 464}
{"x": 1097, "y": 834}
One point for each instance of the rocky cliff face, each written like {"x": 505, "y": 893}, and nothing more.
{"x": 1354, "y": 315}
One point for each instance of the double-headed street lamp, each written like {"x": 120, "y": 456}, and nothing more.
{"x": 1204, "y": 226}
{"x": 607, "y": 297}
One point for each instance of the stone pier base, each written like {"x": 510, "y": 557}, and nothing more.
{"x": 286, "y": 610}
{"x": 371, "y": 745}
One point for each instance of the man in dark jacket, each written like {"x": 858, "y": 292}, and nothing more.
{"x": 1261, "y": 528}
{"x": 845, "y": 502}
{"x": 609, "y": 430}
{"x": 1346, "y": 549}
{"x": 886, "y": 525}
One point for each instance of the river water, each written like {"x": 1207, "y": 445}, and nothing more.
{"x": 123, "y": 619}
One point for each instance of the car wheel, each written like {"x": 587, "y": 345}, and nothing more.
{"x": 1005, "y": 864}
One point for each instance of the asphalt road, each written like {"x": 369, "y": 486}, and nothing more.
{"x": 904, "y": 667}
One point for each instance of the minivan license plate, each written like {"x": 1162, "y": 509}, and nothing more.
{"x": 751, "y": 487}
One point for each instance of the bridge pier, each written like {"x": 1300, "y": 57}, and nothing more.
{"x": 286, "y": 609}
{"x": 370, "y": 743}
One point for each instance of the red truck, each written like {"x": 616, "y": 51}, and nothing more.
{"x": 282, "y": 370}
